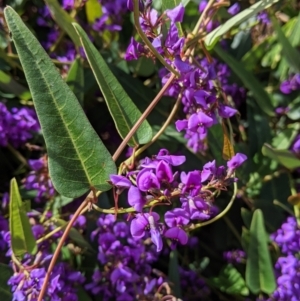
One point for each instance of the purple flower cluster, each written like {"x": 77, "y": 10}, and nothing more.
{"x": 201, "y": 97}
{"x": 27, "y": 280}
{"x": 193, "y": 285}
{"x": 112, "y": 15}
{"x": 287, "y": 267}
{"x": 38, "y": 179}
{"x": 235, "y": 256}
{"x": 124, "y": 272}
{"x": 154, "y": 183}
{"x": 17, "y": 125}
{"x": 291, "y": 84}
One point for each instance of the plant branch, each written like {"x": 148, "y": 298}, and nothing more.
{"x": 143, "y": 117}
{"x": 145, "y": 39}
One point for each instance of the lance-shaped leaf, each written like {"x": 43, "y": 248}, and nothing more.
{"x": 121, "y": 107}
{"x": 75, "y": 79}
{"x": 259, "y": 269}
{"x": 78, "y": 159}
{"x": 63, "y": 19}
{"x": 261, "y": 96}
{"x": 290, "y": 53}
{"x": 22, "y": 239}
{"x": 213, "y": 37}
{"x": 284, "y": 157}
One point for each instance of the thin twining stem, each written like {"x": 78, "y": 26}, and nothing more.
{"x": 220, "y": 215}
{"x": 136, "y": 13}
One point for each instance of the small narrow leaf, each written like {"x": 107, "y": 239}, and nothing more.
{"x": 289, "y": 52}
{"x": 261, "y": 96}
{"x": 228, "y": 150}
{"x": 121, "y": 107}
{"x": 75, "y": 79}
{"x": 213, "y": 37}
{"x": 284, "y": 157}
{"x": 63, "y": 19}
{"x": 259, "y": 269}
{"x": 22, "y": 239}
{"x": 78, "y": 160}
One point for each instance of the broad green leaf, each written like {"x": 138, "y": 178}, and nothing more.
{"x": 75, "y": 79}
{"x": 93, "y": 10}
{"x": 5, "y": 291}
{"x": 174, "y": 274}
{"x": 231, "y": 281}
{"x": 8, "y": 84}
{"x": 262, "y": 97}
{"x": 284, "y": 157}
{"x": 259, "y": 268}
{"x": 22, "y": 239}
{"x": 289, "y": 52}
{"x": 295, "y": 37}
{"x": 78, "y": 160}
{"x": 213, "y": 37}
{"x": 121, "y": 107}
{"x": 63, "y": 19}
{"x": 170, "y": 4}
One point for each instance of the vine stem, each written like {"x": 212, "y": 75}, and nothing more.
{"x": 141, "y": 33}
{"x": 221, "y": 214}
{"x": 143, "y": 117}
{"x": 82, "y": 208}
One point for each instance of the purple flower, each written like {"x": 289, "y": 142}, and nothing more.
{"x": 134, "y": 50}
{"x": 164, "y": 172}
{"x": 176, "y": 14}
{"x": 135, "y": 198}
{"x": 234, "y": 9}
{"x": 191, "y": 182}
{"x": 197, "y": 208}
{"x": 120, "y": 181}
{"x": 145, "y": 222}
{"x": 146, "y": 180}
{"x": 236, "y": 161}
{"x": 173, "y": 160}
{"x": 226, "y": 111}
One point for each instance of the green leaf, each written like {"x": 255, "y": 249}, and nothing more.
{"x": 259, "y": 269}
{"x": 5, "y": 273}
{"x": 93, "y": 10}
{"x": 170, "y": 4}
{"x": 121, "y": 107}
{"x": 22, "y": 239}
{"x": 294, "y": 112}
{"x": 78, "y": 160}
{"x": 288, "y": 51}
{"x": 63, "y": 19}
{"x": 262, "y": 97}
{"x": 231, "y": 281}
{"x": 213, "y": 37}
{"x": 75, "y": 79}
{"x": 284, "y": 157}
{"x": 173, "y": 274}
{"x": 9, "y": 85}
{"x": 284, "y": 139}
